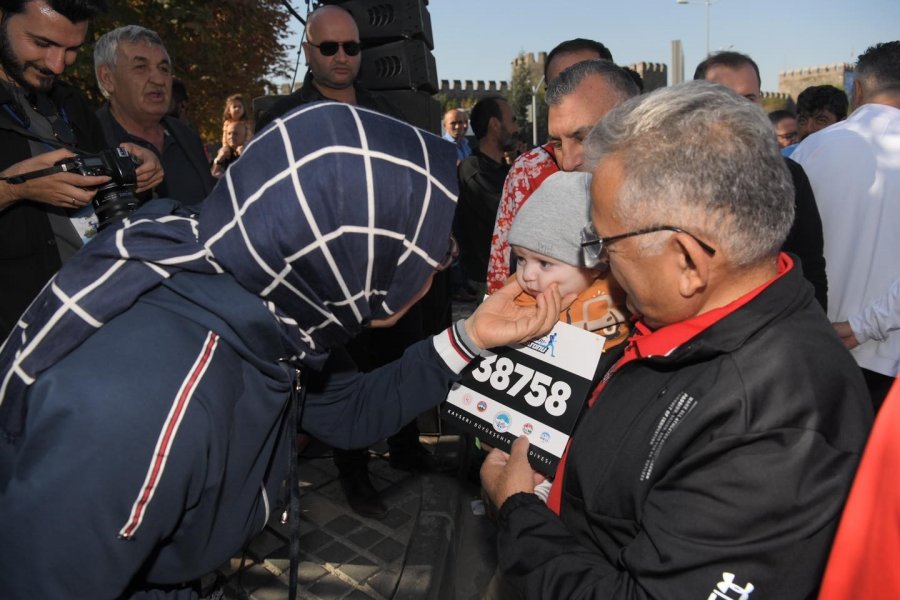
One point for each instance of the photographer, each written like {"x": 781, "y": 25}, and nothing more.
{"x": 45, "y": 221}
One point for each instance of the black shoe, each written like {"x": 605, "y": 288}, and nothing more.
{"x": 362, "y": 496}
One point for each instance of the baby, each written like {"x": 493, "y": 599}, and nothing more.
{"x": 546, "y": 248}
{"x": 545, "y": 239}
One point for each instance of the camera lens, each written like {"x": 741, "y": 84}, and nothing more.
{"x": 114, "y": 202}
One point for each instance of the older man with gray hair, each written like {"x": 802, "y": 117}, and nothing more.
{"x": 134, "y": 73}
{"x": 725, "y": 434}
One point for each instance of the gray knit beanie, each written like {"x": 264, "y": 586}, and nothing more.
{"x": 551, "y": 220}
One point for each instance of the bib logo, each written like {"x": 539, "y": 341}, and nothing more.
{"x": 502, "y": 422}
{"x": 544, "y": 344}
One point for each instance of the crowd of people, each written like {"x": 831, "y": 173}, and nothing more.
{"x": 159, "y": 367}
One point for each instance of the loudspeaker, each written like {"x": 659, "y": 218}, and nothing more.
{"x": 382, "y": 21}
{"x": 261, "y": 104}
{"x": 404, "y": 65}
{"x": 418, "y": 109}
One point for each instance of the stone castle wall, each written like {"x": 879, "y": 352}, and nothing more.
{"x": 795, "y": 81}
{"x": 655, "y": 75}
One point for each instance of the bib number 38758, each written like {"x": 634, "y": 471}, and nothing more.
{"x": 505, "y": 375}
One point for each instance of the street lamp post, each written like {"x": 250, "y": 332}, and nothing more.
{"x": 534, "y": 90}
{"x": 707, "y": 3}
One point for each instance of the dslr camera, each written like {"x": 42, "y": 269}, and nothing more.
{"x": 116, "y": 199}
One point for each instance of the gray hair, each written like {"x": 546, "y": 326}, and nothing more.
{"x": 106, "y": 47}
{"x": 698, "y": 156}
{"x": 616, "y": 77}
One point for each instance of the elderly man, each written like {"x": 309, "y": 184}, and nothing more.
{"x": 333, "y": 55}
{"x": 456, "y": 123}
{"x": 726, "y": 433}
{"x": 569, "y": 109}
{"x": 45, "y": 220}
{"x": 134, "y": 73}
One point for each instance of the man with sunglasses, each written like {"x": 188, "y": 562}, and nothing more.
{"x": 333, "y": 54}
{"x": 45, "y": 220}
{"x": 715, "y": 457}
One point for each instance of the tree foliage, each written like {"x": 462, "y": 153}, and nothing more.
{"x": 217, "y": 49}
{"x": 523, "y": 81}
{"x": 519, "y": 94}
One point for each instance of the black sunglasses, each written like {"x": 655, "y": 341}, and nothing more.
{"x": 593, "y": 247}
{"x": 331, "y": 48}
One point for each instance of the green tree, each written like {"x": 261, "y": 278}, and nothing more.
{"x": 523, "y": 81}
{"x": 217, "y": 49}
{"x": 519, "y": 94}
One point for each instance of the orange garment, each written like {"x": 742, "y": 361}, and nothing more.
{"x": 599, "y": 309}
{"x": 866, "y": 552}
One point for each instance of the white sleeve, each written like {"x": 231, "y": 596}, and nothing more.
{"x": 879, "y": 317}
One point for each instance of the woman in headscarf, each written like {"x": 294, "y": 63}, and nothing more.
{"x": 145, "y": 392}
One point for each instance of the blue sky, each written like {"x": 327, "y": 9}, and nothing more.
{"x": 477, "y": 39}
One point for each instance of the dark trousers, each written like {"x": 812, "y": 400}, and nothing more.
{"x": 878, "y": 385}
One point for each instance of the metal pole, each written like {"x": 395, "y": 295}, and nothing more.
{"x": 534, "y": 89}
{"x": 708, "y": 2}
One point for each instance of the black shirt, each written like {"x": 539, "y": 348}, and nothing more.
{"x": 480, "y": 185}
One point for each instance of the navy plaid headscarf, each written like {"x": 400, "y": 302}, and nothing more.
{"x": 334, "y": 215}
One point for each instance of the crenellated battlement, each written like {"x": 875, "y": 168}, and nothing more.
{"x": 794, "y": 81}
{"x": 655, "y": 75}
{"x": 457, "y": 89}
{"x": 823, "y": 70}
{"x": 530, "y": 58}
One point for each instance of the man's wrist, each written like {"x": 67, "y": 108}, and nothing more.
{"x": 8, "y": 195}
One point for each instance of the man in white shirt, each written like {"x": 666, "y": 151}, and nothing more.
{"x": 854, "y": 169}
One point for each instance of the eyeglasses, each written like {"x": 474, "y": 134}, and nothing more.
{"x": 452, "y": 253}
{"x": 594, "y": 248}
{"x": 331, "y": 48}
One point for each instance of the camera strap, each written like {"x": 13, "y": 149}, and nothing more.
{"x": 23, "y": 177}
{"x": 7, "y": 125}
